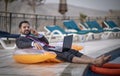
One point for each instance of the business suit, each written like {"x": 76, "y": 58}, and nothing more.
{"x": 25, "y": 42}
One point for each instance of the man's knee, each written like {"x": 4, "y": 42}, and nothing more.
{"x": 66, "y": 56}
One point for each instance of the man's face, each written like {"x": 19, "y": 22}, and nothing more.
{"x": 25, "y": 29}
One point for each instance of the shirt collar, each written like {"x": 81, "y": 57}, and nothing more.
{"x": 23, "y": 35}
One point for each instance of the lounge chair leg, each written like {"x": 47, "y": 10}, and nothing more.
{"x": 4, "y": 45}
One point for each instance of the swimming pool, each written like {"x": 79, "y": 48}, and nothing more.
{"x": 115, "y": 58}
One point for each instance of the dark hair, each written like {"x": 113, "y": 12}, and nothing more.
{"x": 20, "y": 24}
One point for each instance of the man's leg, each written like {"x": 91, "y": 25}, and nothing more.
{"x": 77, "y": 57}
{"x": 88, "y": 60}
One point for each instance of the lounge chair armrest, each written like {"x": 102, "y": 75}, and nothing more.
{"x": 70, "y": 30}
{"x": 86, "y": 29}
{"x": 56, "y": 31}
{"x": 107, "y": 28}
{"x": 116, "y": 28}
{"x": 43, "y": 33}
{"x": 5, "y": 46}
{"x": 94, "y": 29}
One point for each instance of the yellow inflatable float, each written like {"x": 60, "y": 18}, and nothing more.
{"x": 30, "y": 56}
{"x": 77, "y": 47}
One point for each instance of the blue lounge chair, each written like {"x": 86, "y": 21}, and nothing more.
{"x": 97, "y": 29}
{"x": 72, "y": 26}
{"x": 112, "y": 26}
{"x": 94, "y": 27}
{"x": 56, "y": 31}
{"x": 7, "y": 35}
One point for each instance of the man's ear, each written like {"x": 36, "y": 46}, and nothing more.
{"x": 20, "y": 30}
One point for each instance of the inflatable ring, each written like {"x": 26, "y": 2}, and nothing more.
{"x": 77, "y": 47}
{"x": 74, "y": 46}
{"x": 54, "y": 60}
{"x": 32, "y": 56}
{"x": 111, "y": 65}
{"x": 106, "y": 71}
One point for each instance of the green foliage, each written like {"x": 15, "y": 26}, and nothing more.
{"x": 82, "y": 17}
{"x": 11, "y": 1}
{"x": 6, "y": 3}
{"x": 6, "y": 9}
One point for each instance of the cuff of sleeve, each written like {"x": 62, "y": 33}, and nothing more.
{"x": 40, "y": 35}
{"x": 32, "y": 44}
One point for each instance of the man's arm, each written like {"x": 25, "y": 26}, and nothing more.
{"x": 44, "y": 39}
{"x": 40, "y": 36}
{"x": 23, "y": 43}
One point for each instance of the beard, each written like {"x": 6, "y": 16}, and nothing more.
{"x": 27, "y": 32}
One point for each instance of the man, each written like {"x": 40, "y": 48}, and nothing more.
{"x": 30, "y": 38}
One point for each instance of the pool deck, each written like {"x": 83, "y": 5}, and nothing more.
{"x": 8, "y": 67}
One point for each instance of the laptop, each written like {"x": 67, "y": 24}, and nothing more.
{"x": 67, "y": 43}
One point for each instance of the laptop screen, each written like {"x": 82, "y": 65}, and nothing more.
{"x": 67, "y": 43}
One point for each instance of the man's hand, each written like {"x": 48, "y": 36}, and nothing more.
{"x": 33, "y": 31}
{"x": 37, "y": 46}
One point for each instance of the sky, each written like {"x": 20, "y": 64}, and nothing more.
{"x": 94, "y": 4}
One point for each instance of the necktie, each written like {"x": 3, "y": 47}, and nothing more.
{"x": 37, "y": 40}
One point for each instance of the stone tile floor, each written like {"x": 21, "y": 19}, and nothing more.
{"x": 8, "y": 67}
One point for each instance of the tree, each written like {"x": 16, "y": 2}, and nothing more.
{"x": 6, "y": 2}
{"x": 82, "y": 17}
{"x": 34, "y": 3}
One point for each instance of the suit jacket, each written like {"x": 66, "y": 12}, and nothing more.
{"x": 24, "y": 42}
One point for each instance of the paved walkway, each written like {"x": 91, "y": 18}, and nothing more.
{"x": 8, "y": 67}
